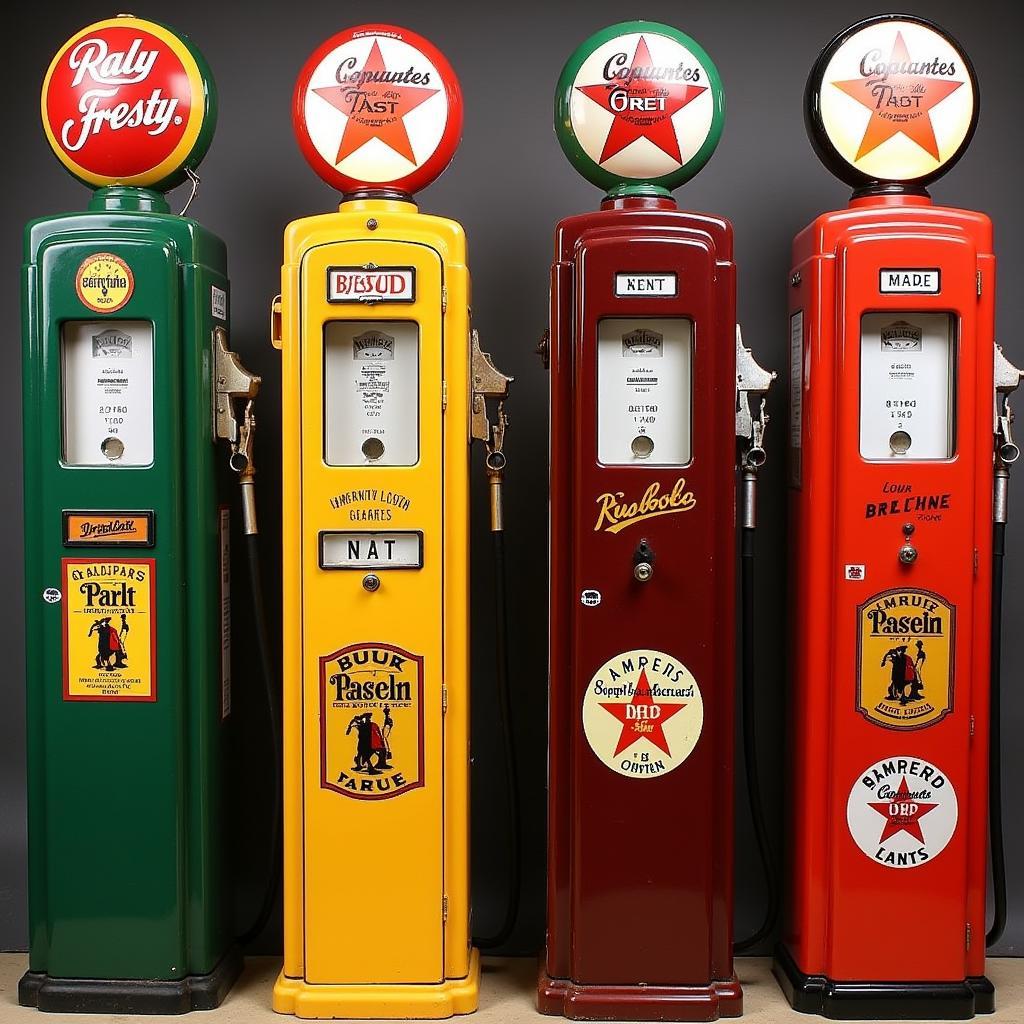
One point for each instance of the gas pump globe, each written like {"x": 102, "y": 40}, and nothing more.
{"x": 899, "y": 449}
{"x": 650, "y": 387}
{"x": 385, "y": 387}
{"x": 129, "y": 383}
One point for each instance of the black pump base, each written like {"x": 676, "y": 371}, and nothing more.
{"x": 96, "y": 995}
{"x": 881, "y": 1000}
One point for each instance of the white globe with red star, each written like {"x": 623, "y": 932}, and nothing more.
{"x": 897, "y": 100}
{"x": 375, "y": 108}
{"x": 642, "y": 105}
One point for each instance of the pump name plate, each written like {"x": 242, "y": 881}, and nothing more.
{"x": 370, "y": 549}
{"x": 108, "y": 529}
{"x": 371, "y": 284}
{"x": 627, "y": 285}
{"x": 908, "y": 281}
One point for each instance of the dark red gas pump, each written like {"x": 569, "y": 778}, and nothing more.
{"x": 899, "y": 452}
{"x": 645, "y": 404}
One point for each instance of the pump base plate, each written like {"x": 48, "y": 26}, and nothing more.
{"x": 129, "y": 995}
{"x": 881, "y": 1000}
{"x": 559, "y": 997}
{"x": 373, "y": 1002}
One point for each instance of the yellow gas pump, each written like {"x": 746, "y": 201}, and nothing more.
{"x": 384, "y": 388}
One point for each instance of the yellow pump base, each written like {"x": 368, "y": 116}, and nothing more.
{"x": 375, "y": 1002}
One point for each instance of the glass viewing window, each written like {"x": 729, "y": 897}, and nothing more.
{"x": 371, "y": 393}
{"x": 907, "y": 385}
{"x": 107, "y": 385}
{"x": 644, "y": 389}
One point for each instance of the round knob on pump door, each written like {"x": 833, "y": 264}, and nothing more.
{"x": 643, "y": 561}
{"x": 908, "y": 553}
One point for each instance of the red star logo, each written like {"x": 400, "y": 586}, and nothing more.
{"x": 375, "y": 110}
{"x": 642, "y": 718}
{"x": 899, "y": 104}
{"x": 642, "y": 108}
{"x": 902, "y": 814}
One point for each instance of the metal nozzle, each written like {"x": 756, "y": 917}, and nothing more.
{"x": 751, "y": 380}
{"x": 232, "y": 382}
{"x": 755, "y": 456}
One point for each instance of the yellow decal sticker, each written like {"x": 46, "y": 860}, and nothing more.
{"x": 905, "y": 644}
{"x": 615, "y": 512}
{"x": 104, "y": 282}
{"x": 108, "y": 529}
{"x": 109, "y": 629}
{"x": 371, "y": 721}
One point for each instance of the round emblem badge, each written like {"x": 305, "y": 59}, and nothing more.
{"x": 891, "y": 99}
{"x": 104, "y": 282}
{"x": 129, "y": 102}
{"x": 902, "y": 812}
{"x": 377, "y": 107}
{"x": 639, "y": 107}
{"x": 643, "y": 713}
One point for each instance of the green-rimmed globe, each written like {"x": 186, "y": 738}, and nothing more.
{"x": 639, "y": 108}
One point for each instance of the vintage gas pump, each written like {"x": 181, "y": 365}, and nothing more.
{"x": 649, "y": 385}
{"x": 128, "y": 385}
{"x": 385, "y": 386}
{"x": 899, "y": 438}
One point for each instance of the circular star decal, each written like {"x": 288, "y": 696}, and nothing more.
{"x": 643, "y": 713}
{"x": 639, "y": 107}
{"x": 893, "y": 99}
{"x": 377, "y": 107}
{"x": 902, "y": 812}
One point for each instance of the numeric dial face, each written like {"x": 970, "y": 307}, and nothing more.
{"x": 639, "y": 103}
{"x": 377, "y": 107}
{"x": 891, "y": 100}
{"x": 129, "y": 102}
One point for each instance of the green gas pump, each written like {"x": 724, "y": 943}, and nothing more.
{"x": 129, "y": 385}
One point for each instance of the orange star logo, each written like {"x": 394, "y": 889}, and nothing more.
{"x": 642, "y": 717}
{"x": 642, "y": 107}
{"x": 375, "y": 102}
{"x": 899, "y": 102}
{"x": 902, "y": 814}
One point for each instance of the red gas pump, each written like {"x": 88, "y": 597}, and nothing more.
{"x": 646, "y": 399}
{"x": 897, "y": 392}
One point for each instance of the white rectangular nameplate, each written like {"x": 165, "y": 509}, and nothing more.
{"x": 365, "y": 549}
{"x": 371, "y": 284}
{"x": 909, "y": 281}
{"x": 630, "y": 285}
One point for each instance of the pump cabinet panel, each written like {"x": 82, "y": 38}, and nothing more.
{"x": 642, "y": 636}
{"x": 126, "y": 677}
{"x": 373, "y": 421}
